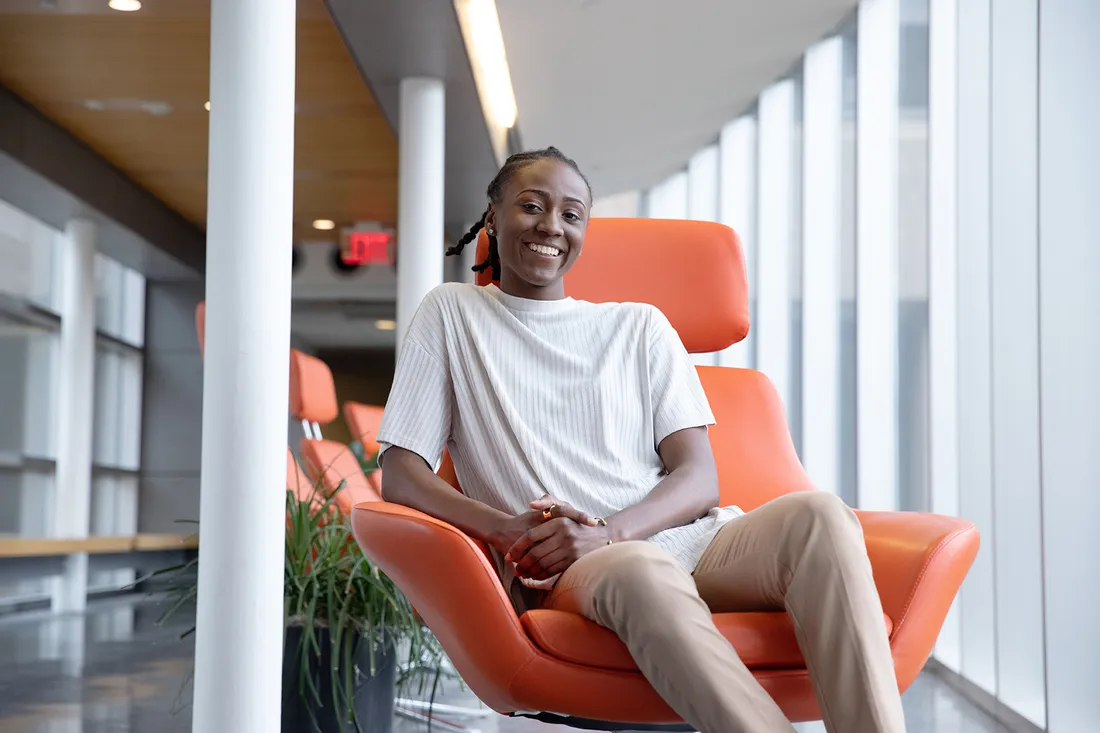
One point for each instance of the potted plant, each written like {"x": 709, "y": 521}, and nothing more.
{"x": 351, "y": 638}
{"x": 368, "y": 462}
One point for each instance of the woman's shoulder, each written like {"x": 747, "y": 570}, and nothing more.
{"x": 450, "y": 297}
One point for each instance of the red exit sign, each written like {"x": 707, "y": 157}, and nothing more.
{"x": 366, "y": 248}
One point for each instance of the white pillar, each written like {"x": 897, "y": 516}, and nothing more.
{"x": 773, "y": 255}
{"x": 822, "y": 89}
{"x": 76, "y": 387}
{"x": 419, "y": 196}
{"x": 238, "y": 648}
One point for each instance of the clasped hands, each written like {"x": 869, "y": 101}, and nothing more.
{"x": 545, "y": 541}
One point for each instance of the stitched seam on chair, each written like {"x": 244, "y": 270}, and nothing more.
{"x": 920, "y": 577}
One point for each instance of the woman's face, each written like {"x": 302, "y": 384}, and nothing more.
{"x": 539, "y": 224}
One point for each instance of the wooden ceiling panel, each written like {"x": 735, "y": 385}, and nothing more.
{"x": 133, "y": 86}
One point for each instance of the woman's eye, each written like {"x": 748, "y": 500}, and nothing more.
{"x": 531, "y": 208}
{"x": 572, "y": 216}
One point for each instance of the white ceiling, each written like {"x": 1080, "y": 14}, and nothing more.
{"x": 632, "y": 88}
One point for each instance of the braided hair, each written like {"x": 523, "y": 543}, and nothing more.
{"x": 496, "y": 191}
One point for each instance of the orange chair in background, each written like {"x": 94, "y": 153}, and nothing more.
{"x": 561, "y": 668}
{"x": 313, "y": 401}
{"x": 364, "y": 421}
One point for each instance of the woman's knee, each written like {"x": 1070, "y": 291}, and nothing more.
{"x": 822, "y": 510}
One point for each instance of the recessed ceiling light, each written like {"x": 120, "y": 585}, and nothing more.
{"x": 207, "y": 106}
{"x": 324, "y": 224}
{"x": 385, "y": 325}
{"x": 124, "y": 6}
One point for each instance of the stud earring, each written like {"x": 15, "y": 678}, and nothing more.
{"x": 489, "y": 231}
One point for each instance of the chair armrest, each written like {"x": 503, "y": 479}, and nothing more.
{"x": 449, "y": 581}
{"x": 919, "y": 562}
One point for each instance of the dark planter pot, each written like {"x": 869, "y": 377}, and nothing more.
{"x": 373, "y": 701}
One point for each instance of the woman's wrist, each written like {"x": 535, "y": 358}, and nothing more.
{"x": 617, "y": 530}
{"x": 496, "y": 529}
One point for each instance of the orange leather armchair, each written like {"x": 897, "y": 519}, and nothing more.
{"x": 562, "y": 668}
{"x": 364, "y": 421}
{"x": 313, "y": 401}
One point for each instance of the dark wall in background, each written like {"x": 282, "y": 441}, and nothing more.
{"x": 360, "y": 376}
{"x": 171, "y": 420}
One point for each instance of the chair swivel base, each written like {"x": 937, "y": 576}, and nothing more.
{"x": 603, "y": 725}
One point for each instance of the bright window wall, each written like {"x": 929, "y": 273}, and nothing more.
{"x": 30, "y": 323}
{"x": 917, "y": 201}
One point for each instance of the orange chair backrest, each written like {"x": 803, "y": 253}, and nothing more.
{"x": 364, "y": 421}
{"x": 695, "y": 273}
{"x": 313, "y": 398}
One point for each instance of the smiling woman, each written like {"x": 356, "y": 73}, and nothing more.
{"x": 538, "y": 211}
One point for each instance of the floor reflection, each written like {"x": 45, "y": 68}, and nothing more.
{"x": 115, "y": 670}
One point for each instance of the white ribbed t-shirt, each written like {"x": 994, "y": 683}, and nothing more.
{"x": 560, "y": 397}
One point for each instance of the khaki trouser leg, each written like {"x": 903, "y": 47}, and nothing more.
{"x": 805, "y": 552}
{"x": 640, "y": 592}
{"x": 802, "y": 552}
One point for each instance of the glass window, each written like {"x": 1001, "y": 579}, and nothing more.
{"x": 117, "y": 431}
{"x": 120, "y": 301}
{"x": 847, "y": 404}
{"x": 28, "y": 249}
{"x": 913, "y": 399}
{"x": 668, "y": 199}
{"x": 794, "y": 407}
{"x": 113, "y": 514}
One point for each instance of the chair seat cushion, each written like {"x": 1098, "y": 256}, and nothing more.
{"x": 764, "y": 640}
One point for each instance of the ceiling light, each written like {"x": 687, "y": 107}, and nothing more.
{"x": 485, "y": 47}
{"x": 125, "y": 6}
{"x": 207, "y": 106}
{"x": 385, "y": 325}
{"x": 324, "y": 224}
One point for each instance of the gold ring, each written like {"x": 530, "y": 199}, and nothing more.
{"x": 549, "y": 513}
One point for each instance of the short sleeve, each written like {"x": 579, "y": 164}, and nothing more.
{"x": 676, "y": 393}
{"x": 417, "y": 416}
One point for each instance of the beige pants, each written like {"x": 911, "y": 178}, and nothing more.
{"x": 804, "y": 553}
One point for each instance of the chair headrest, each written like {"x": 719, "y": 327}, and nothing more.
{"x": 694, "y": 271}
{"x": 312, "y": 391}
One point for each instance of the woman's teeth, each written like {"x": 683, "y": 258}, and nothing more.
{"x": 544, "y": 250}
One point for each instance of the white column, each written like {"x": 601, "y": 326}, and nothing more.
{"x": 775, "y": 165}
{"x": 75, "y": 404}
{"x": 702, "y": 205}
{"x": 943, "y": 310}
{"x": 877, "y": 254}
{"x": 977, "y": 611}
{"x": 1069, "y": 308}
{"x": 737, "y": 209}
{"x": 1017, "y": 471}
{"x": 239, "y": 642}
{"x": 420, "y": 141}
{"x": 821, "y": 206}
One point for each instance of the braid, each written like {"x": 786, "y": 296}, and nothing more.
{"x": 468, "y": 236}
{"x": 495, "y": 192}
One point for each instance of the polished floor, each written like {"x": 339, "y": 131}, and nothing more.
{"x": 115, "y": 670}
